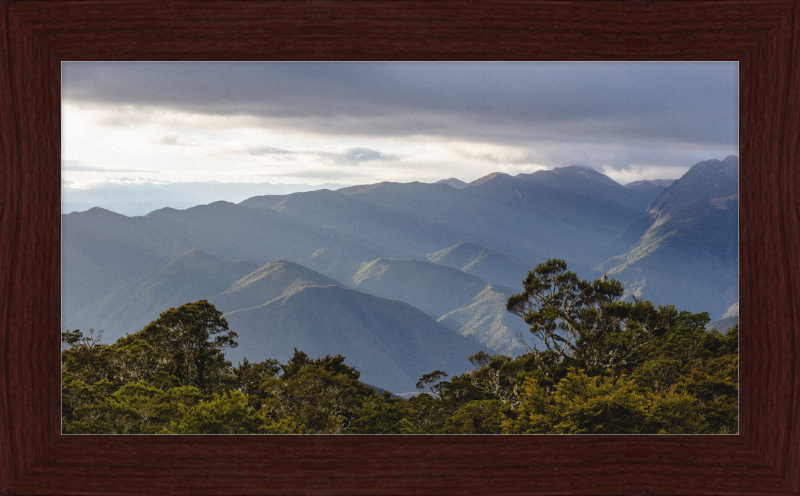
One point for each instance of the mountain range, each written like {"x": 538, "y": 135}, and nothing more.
{"x": 404, "y": 278}
{"x": 688, "y": 237}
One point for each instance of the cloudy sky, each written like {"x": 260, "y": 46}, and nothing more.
{"x": 355, "y": 123}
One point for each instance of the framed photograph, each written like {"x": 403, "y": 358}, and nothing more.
{"x": 35, "y": 458}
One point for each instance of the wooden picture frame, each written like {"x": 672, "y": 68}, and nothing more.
{"x": 764, "y": 36}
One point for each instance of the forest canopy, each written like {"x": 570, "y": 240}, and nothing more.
{"x": 596, "y": 364}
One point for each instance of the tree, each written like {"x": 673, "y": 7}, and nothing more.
{"x": 316, "y": 400}
{"x": 498, "y": 376}
{"x": 227, "y": 413}
{"x": 477, "y": 417}
{"x": 186, "y": 333}
{"x": 608, "y": 367}
{"x": 333, "y": 364}
{"x": 582, "y": 404}
{"x": 426, "y": 414}
{"x": 249, "y": 376}
{"x": 714, "y": 381}
{"x": 139, "y": 361}
{"x": 586, "y": 321}
{"x": 86, "y": 359}
{"x": 320, "y": 396}
{"x": 382, "y": 414}
{"x": 435, "y": 382}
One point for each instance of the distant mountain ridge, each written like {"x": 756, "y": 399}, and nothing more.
{"x": 274, "y": 280}
{"x": 728, "y": 320}
{"x": 102, "y": 251}
{"x": 452, "y": 182}
{"x": 486, "y": 321}
{"x": 687, "y": 238}
{"x": 192, "y": 276}
{"x": 481, "y": 262}
{"x": 585, "y": 181}
{"x": 461, "y": 301}
{"x": 650, "y": 184}
{"x": 140, "y": 199}
{"x": 390, "y": 231}
{"x": 390, "y": 342}
{"x": 704, "y": 181}
{"x": 434, "y": 289}
{"x": 451, "y": 252}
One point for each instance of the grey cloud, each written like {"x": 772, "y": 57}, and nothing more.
{"x": 172, "y": 141}
{"x": 510, "y": 102}
{"x": 355, "y": 156}
{"x": 351, "y": 156}
{"x": 363, "y": 155}
{"x": 504, "y": 158}
{"x": 266, "y": 150}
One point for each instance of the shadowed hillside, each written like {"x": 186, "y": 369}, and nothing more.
{"x": 271, "y": 281}
{"x": 704, "y": 181}
{"x": 589, "y": 183}
{"x": 481, "y": 262}
{"x": 486, "y": 321}
{"x": 392, "y": 343}
{"x": 193, "y": 276}
{"x": 434, "y": 289}
{"x": 462, "y": 302}
{"x": 396, "y": 233}
{"x": 103, "y": 251}
{"x": 696, "y": 250}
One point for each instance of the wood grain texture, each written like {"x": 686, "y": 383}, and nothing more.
{"x": 37, "y": 35}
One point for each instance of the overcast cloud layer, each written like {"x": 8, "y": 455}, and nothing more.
{"x": 355, "y": 123}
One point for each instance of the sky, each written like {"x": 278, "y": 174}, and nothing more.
{"x": 231, "y": 127}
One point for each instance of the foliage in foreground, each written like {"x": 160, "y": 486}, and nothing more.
{"x": 598, "y": 365}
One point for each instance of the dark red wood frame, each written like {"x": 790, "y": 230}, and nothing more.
{"x": 764, "y": 36}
